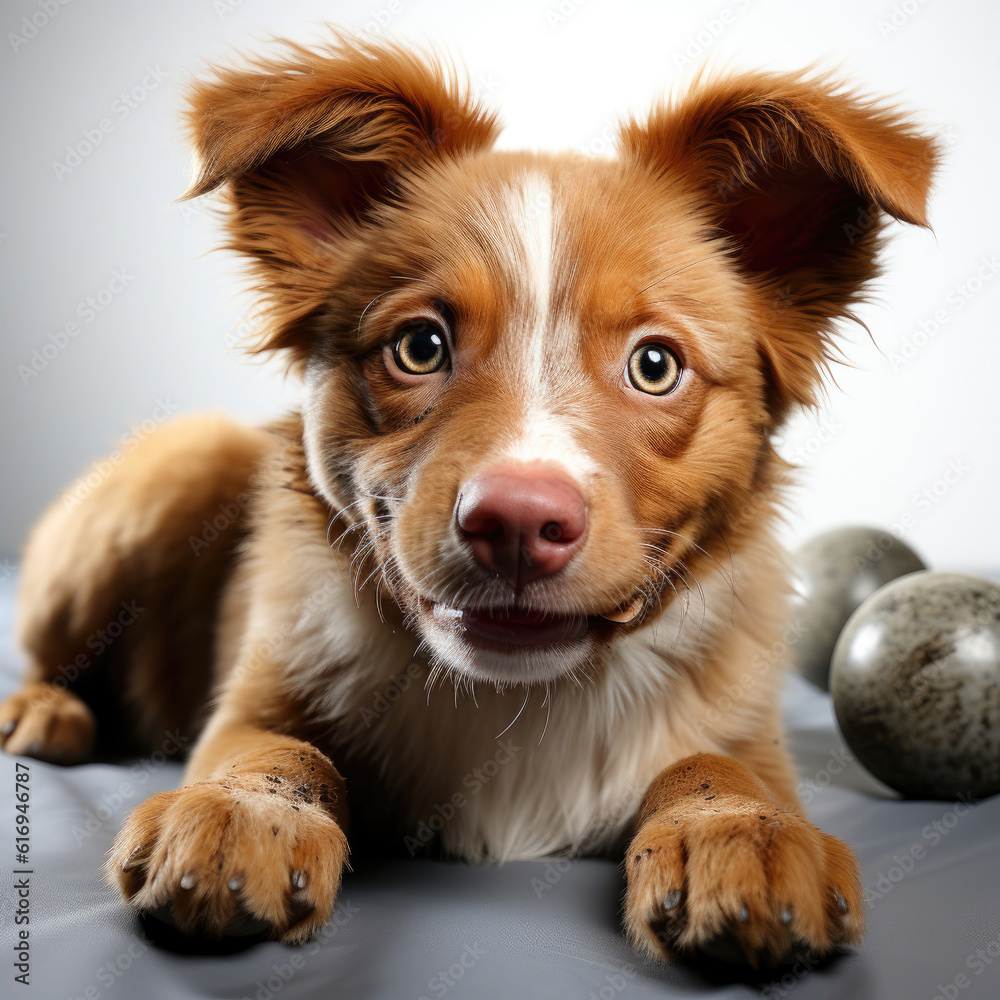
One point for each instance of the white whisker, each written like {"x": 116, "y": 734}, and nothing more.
{"x": 527, "y": 691}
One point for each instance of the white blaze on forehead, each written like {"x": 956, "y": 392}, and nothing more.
{"x": 544, "y": 437}
{"x": 536, "y": 210}
{"x": 535, "y": 333}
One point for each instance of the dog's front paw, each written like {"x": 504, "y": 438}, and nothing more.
{"x": 242, "y": 854}
{"x": 746, "y": 884}
{"x": 47, "y": 722}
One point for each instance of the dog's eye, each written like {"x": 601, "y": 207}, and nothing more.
{"x": 654, "y": 368}
{"x": 420, "y": 348}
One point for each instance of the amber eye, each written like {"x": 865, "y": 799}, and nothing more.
{"x": 420, "y": 348}
{"x": 654, "y": 368}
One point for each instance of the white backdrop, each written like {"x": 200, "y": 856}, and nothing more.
{"x": 112, "y": 318}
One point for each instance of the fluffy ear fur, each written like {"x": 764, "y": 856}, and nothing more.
{"x": 799, "y": 176}
{"x": 308, "y": 143}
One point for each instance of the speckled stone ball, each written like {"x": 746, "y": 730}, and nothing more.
{"x": 834, "y": 573}
{"x": 916, "y": 685}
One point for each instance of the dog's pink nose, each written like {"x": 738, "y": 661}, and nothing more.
{"x": 522, "y": 522}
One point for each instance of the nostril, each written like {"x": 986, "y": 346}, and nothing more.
{"x": 552, "y": 532}
{"x": 478, "y": 519}
{"x": 490, "y": 528}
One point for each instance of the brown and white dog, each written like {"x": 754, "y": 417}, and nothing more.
{"x": 511, "y": 577}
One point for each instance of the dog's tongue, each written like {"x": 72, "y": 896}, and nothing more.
{"x": 523, "y": 628}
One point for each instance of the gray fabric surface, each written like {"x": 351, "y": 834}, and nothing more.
{"x": 431, "y": 929}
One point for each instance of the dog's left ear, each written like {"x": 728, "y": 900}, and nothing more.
{"x": 800, "y": 177}
{"x": 308, "y": 145}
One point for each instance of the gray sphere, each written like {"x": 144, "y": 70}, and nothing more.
{"x": 834, "y": 573}
{"x": 916, "y": 685}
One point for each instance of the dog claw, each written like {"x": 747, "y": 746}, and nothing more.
{"x": 744, "y": 915}
{"x": 786, "y": 915}
{"x": 133, "y": 861}
{"x": 671, "y": 899}
{"x": 188, "y": 880}
{"x": 8, "y": 727}
{"x": 299, "y": 879}
{"x": 234, "y": 883}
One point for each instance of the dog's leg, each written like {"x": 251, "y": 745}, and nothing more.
{"x": 717, "y": 868}
{"x": 119, "y": 587}
{"x": 44, "y": 720}
{"x": 253, "y": 841}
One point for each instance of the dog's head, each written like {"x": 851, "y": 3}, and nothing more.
{"x": 546, "y": 384}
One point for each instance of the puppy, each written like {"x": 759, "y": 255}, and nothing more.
{"x": 508, "y": 585}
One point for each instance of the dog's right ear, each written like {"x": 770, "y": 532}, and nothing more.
{"x": 798, "y": 175}
{"x": 307, "y": 144}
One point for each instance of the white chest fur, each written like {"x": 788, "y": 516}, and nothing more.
{"x": 518, "y": 773}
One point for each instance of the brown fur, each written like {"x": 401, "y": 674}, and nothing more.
{"x": 715, "y": 866}
{"x": 736, "y": 228}
{"x": 127, "y": 539}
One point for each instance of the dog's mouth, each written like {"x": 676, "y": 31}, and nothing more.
{"x": 512, "y": 626}
{"x": 517, "y": 643}
{"x": 518, "y": 626}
